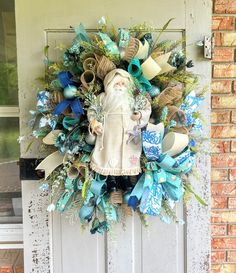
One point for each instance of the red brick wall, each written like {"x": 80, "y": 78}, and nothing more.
{"x": 224, "y": 138}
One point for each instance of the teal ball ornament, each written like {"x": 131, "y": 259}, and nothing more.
{"x": 154, "y": 91}
{"x": 126, "y": 197}
{"x": 70, "y": 92}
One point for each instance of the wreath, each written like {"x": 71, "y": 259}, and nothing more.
{"x": 120, "y": 112}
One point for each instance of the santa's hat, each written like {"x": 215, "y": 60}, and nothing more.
{"x": 110, "y": 76}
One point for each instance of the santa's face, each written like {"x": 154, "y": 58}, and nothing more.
{"x": 118, "y": 85}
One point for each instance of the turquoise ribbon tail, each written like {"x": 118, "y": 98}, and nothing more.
{"x": 81, "y": 33}
{"x": 65, "y": 198}
{"x": 136, "y": 193}
{"x": 94, "y": 198}
{"x": 134, "y": 68}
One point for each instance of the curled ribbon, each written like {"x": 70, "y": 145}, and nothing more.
{"x": 50, "y": 163}
{"x": 97, "y": 197}
{"x": 135, "y": 70}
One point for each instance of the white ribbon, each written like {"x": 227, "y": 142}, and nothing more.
{"x": 50, "y": 163}
{"x": 142, "y": 50}
{"x": 150, "y": 68}
{"x": 50, "y": 138}
{"x": 173, "y": 143}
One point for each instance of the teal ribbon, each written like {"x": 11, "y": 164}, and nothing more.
{"x": 109, "y": 44}
{"x": 66, "y": 196}
{"x": 69, "y": 122}
{"x": 135, "y": 70}
{"x": 124, "y": 38}
{"x": 81, "y": 33}
{"x": 97, "y": 197}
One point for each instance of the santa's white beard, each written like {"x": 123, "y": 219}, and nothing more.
{"x": 116, "y": 97}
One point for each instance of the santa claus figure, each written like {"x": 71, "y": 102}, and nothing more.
{"x": 114, "y": 153}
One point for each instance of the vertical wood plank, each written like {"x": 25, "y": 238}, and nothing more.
{"x": 124, "y": 247}
{"x": 198, "y": 24}
{"x": 75, "y": 250}
{"x": 163, "y": 245}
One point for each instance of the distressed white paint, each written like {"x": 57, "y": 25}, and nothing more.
{"x": 36, "y": 228}
{"x": 160, "y": 248}
{"x": 197, "y": 248}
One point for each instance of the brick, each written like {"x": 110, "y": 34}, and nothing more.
{"x": 223, "y": 243}
{"x": 232, "y": 229}
{"x": 226, "y": 216}
{"x": 232, "y": 174}
{"x": 223, "y": 268}
{"x": 222, "y": 22}
{"x": 231, "y": 256}
{"x": 225, "y": 38}
{"x": 220, "y": 117}
{"x": 223, "y": 55}
{"x": 223, "y": 102}
{"x": 223, "y": 160}
{"x": 232, "y": 203}
{"x": 225, "y": 6}
{"x": 219, "y": 175}
{"x": 221, "y": 86}
{"x": 224, "y": 71}
{"x": 218, "y": 230}
{"x": 218, "y": 202}
{"x": 219, "y": 146}
{"x": 217, "y": 257}
{"x": 6, "y": 269}
{"x": 227, "y": 131}
{"x": 233, "y": 146}
{"x": 233, "y": 118}
{"x": 222, "y": 189}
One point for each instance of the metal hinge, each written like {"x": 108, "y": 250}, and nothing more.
{"x": 207, "y": 44}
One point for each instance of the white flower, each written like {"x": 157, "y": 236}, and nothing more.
{"x": 20, "y": 139}
{"x": 102, "y": 21}
{"x": 51, "y": 207}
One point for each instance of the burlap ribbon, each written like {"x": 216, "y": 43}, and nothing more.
{"x": 104, "y": 66}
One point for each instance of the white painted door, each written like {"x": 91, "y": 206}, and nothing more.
{"x": 51, "y": 243}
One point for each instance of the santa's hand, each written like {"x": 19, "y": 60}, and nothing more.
{"x": 136, "y": 116}
{"x": 98, "y": 130}
{"x": 96, "y": 127}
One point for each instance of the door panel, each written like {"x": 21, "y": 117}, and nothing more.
{"x": 160, "y": 247}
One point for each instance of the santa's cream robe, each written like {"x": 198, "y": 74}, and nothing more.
{"x": 112, "y": 155}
